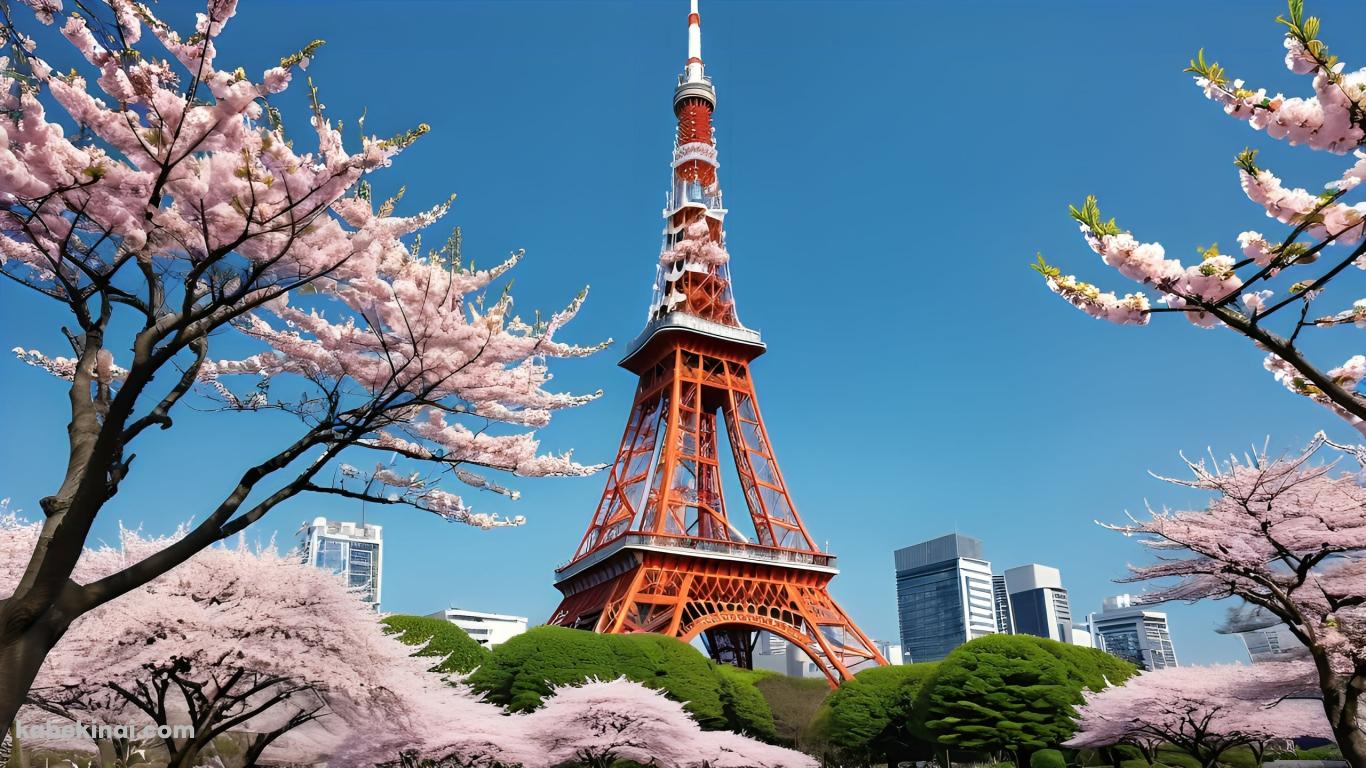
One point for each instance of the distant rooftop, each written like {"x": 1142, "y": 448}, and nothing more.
{"x": 1126, "y": 606}
{"x": 343, "y": 528}
{"x": 942, "y": 549}
{"x": 462, "y": 612}
{"x": 1032, "y": 576}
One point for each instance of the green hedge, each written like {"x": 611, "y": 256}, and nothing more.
{"x": 794, "y": 702}
{"x": 1047, "y": 758}
{"x": 867, "y": 719}
{"x": 522, "y": 672}
{"x": 459, "y": 652}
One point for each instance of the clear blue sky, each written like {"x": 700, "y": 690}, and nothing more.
{"x": 890, "y": 169}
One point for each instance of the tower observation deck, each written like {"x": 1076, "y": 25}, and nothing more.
{"x": 661, "y": 553}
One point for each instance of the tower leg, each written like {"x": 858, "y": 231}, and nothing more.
{"x": 733, "y": 645}
{"x": 726, "y": 604}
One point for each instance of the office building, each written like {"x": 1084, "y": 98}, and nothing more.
{"x": 1264, "y": 635}
{"x": 890, "y": 651}
{"x": 1134, "y": 633}
{"x": 1005, "y": 622}
{"x": 1038, "y": 602}
{"x": 487, "y": 629}
{"x": 1081, "y": 635}
{"x": 355, "y": 550}
{"x": 770, "y": 652}
{"x": 1273, "y": 643}
{"x": 944, "y": 596}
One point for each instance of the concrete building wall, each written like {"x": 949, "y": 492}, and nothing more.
{"x": 488, "y": 629}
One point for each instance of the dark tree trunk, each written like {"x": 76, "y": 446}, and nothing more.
{"x": 20, "y": 659}
{"x": 1342, "y": 705}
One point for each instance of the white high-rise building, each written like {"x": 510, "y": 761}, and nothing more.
{"x": 1038, "y": 602}
{"x": 1134, "y": 633}
{"x": 944, "y": 596}
{"x": 487, "y": 629}
{"x": 353, "y": 549}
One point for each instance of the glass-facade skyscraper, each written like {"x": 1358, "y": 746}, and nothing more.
{"x": 1038, "y": 602}
{"x": 943, "y": 595}
{"x": 355, "y": 550}
{"x": 1134, "y": 633}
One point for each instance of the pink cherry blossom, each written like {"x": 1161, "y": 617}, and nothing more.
{"x": 1285, "y": 536}
{"x": 1204, "y": 711}
{"x": 1265, "y": 295}
{"x": 208, "y": 250}
{"x": 597, "y": 723}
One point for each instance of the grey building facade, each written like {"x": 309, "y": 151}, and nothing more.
{"x": 944, "y": 596}
{"x": 1134, "y": 633}
{"x": 1038, "y": 602}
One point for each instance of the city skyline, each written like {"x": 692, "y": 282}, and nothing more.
{"x": 1054, "y": 513}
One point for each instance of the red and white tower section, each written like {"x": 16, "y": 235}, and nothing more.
{"x": 662, "y": 553}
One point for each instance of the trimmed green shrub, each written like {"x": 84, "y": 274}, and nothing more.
{"x": 1047, "y": 758}
{"x": 742, "y": 702}
{"x": 460, "y": 653}
{"x": 522, "y": 672}
{"x": 1016, "y": 693}
{"x": 1086, "y": 667}
{"x": 794, "y": 702}
{"x": 867, "y": 718}
{"x": 999, "y": 692}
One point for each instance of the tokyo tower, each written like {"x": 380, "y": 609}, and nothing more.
{"x": 662, "y": 553}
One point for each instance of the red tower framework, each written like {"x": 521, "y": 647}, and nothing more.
{"x": 662, "y": 554}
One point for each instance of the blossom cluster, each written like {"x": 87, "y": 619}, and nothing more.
{"x": 1224, "y": 290}
{"x": 184, "y": 200}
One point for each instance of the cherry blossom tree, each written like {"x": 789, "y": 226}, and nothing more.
{"x": 1268, "y": 291}
{"x": 724, "y": 749}
{"x": 1289, "y": 538}
{"x": 425, "y": 721}
{"x": 174, "y": 217}
{"x": 1204, "y": 711}
{"x": 599, "y": 723}
{"x": 244, "y": 640}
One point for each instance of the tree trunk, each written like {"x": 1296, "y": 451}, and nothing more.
{"x": 20, "y": 660}
{"x": 1342, "y": 704}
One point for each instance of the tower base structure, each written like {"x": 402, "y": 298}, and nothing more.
{"x": 724, "y": 594}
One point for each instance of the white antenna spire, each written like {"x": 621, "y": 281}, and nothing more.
{"x": 694, "y": 70}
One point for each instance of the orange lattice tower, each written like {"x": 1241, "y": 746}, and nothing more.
{"x": 662, "y": 554}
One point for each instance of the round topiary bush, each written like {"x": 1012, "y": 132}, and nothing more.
{"x": 524, "y": 670}
{"x": 1047, "y": 758}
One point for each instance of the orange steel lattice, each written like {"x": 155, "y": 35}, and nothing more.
{"x": 662, "y": 553}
